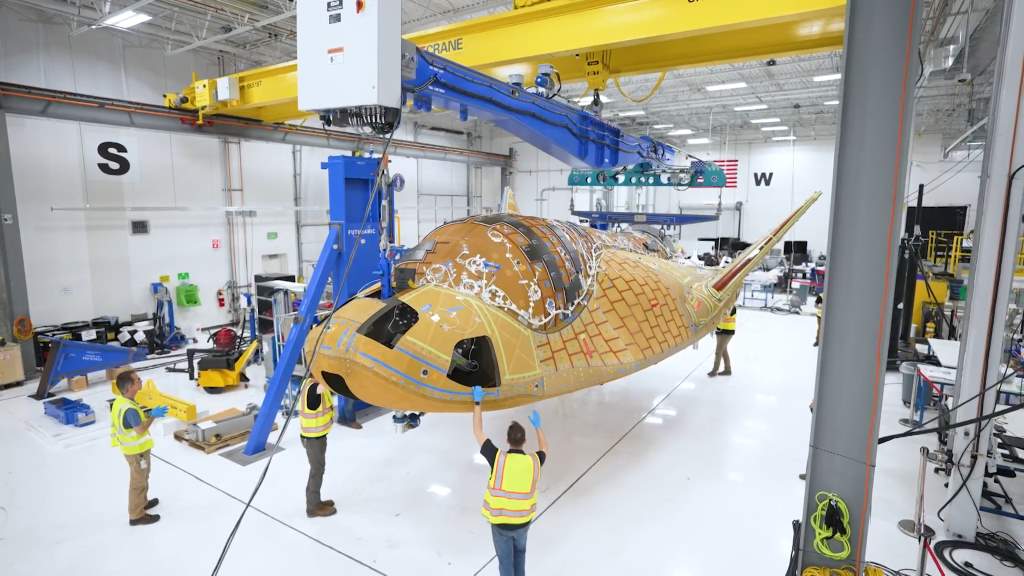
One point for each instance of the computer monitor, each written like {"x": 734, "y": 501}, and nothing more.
{"x": 794, "y": 247}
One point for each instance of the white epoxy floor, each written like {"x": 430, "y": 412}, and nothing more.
{"x": 664, "y": 472}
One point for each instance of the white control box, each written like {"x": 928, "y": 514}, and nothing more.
{"x": 349, "y": 53}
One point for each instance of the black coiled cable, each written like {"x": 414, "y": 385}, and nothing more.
{"x": 946, "y": 549}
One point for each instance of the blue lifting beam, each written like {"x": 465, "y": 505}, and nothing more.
{"x": 68, "y": 358}
{"x": 602, "y": 220}
{"x": 567, "y": 132}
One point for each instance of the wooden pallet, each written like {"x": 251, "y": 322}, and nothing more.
{"x": 211, "y": 447}
{"x": 12, "y": 385}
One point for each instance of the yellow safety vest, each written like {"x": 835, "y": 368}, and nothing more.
{"x": 315, "y": 423}
{"x": 127, "y": 439}
{"x": 511, "y": 496}
{"x": 728, "y": 323}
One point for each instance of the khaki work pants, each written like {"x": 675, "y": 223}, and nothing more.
{"x": 722, "y": 351}
{"x": 138, "y": 487}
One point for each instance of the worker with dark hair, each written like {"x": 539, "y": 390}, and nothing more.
{"x": 316, "y": 415}
{"x": 723, "y": 334}
{"x": 129, "y": 430}
{"x": 510, "y": 502}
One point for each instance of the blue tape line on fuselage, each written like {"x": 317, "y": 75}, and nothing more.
{"x": 341, "y": 339}
{"x": 423, "y": 360}
{"x": 411, "y": 379}
{"x": 423, "y": 384}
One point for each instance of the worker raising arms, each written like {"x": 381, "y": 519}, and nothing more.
{"x": 316, "y": 415}
{"x": 510, "y": 502}
{"x": 129, "y": 430}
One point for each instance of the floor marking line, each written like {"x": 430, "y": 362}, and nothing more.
{"x": 606, "y": 452}
{"x": 268, "y": 515}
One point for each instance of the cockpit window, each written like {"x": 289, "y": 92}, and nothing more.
{"x": 474, "y": 363}
{"x": 390, "y": 323}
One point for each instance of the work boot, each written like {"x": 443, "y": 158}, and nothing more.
{"x": 712, "y": 374}
{"x": 144, "y": 520}
{"x": 328, "y": 503}
{"x": 322, "y": 510}
{"x": 153, "y": 502}
{"x": 353, "y": 425}
{"x": 726, "y": 372}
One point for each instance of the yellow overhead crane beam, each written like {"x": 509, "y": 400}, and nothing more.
{"x": 637, "y": 36}
{"x": 584, "y": 39}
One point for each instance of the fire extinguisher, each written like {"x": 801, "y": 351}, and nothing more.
{"x": 221, "y": 295}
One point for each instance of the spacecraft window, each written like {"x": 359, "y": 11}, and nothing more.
{"x": 390, "y": 323}
{"x": 474, "y": 363}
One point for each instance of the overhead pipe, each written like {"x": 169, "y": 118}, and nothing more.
{"x": 47, "y": 103}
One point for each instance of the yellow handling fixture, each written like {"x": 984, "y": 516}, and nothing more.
{"x": 150, "y": 397}
{"x": 214, "y": 379}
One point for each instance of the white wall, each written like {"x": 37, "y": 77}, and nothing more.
{"x": 39, "y": 53}
{"x": 81, "y": 264}
{"x": 953, "y": 181}
{"x": 798, "y": 169}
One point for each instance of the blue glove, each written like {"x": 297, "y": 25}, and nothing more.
{"x": 535, "y": 419}
{"x": 158, "y": 412}
{"x": 478, "y": 394}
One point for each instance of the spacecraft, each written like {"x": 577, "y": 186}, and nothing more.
{"x": 527, "y": 308}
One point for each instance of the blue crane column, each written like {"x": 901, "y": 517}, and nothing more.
{"x": 352, "y": 233}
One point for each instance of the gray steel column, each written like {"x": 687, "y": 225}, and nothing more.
{"x": 13, "y": 289}
{"x": 993, "y": 263}
{"x": 880, "y": 67}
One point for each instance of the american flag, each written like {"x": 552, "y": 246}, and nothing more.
{"x": 731, "y": 168}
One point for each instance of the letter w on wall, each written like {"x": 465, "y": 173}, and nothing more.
{"x": 763, "y": 178}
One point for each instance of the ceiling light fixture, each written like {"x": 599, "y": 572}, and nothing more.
{"x": 728, "y": 86}
{"x": 774, "y": 128}
{"x": 630, "y": 113}
{"x": 827, "y": 77}
{"x": 749, "y": 107}
{"x": 781, "y": 138}
{"x": 831, "y": 103}
{"x": 680, "y": 132}
{"x": 127, "y": 19}
{"x": 765, "y": 120}
{"x": 698, "y": 141}
{"x": 662, "y": 126}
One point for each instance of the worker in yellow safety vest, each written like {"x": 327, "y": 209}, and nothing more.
{"x": 129, "y": 430}
{"x": 819, "y": 305}
{"x": 723, "y": 334}
{"x": 316, "y": 416}
{"x": 510, "y": 502}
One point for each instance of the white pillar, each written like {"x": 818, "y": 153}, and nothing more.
{"x": 997, "y": 228}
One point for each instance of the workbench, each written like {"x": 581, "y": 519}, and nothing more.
{"x": 947, "y": 351}
{"x": 942, "y": 380}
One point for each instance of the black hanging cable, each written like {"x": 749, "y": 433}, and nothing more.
{"x": 309, "y": 363}
{"x": 920, "y": 430}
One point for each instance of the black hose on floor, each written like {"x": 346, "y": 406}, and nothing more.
{"x": 946, "y": 549}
